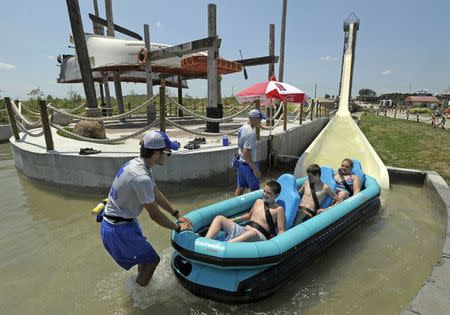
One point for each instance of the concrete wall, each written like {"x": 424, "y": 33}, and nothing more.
{"x": 5, "y": 133}
{"x": 296, "y": 140}
{"x": 210, "y": 166}
{"x": 434, "y": 295}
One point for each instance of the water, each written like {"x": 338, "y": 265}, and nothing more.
{"x": 52, "y": 260}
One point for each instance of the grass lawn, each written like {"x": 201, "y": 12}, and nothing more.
{"x": 409, "y": 144}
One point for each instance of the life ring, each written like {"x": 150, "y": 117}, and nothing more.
{"x": 200, "y": 64}
{"x": 142, "y": 56}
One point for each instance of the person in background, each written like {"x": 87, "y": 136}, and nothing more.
{"x": 248, "y": 173}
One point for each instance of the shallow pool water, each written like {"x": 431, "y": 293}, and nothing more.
{"x": 52, "y": 260}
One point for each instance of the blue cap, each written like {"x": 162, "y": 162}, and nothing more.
{"x": 159, "y": 140}
{"x": 254, "y": 113}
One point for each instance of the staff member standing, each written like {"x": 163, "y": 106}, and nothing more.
{"x": 248, "y": 173}
{"x": 132, "y": 190}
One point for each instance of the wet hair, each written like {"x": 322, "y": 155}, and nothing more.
{"x": 274, "y": 186}
{"x": 314, "y": 169}
{"x": 349, "y": 161}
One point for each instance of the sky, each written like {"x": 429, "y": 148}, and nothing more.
{"x": 402, "y": 46}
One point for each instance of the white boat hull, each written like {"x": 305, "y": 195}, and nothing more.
{"x": 70, "y": 73}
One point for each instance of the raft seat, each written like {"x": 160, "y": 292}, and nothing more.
{"x": 357, "y": 170}
{"x": 289, "y": 198}
{"x": 327, "y": 177}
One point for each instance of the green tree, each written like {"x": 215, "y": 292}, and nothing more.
{"x": 327, "y": 96}
{"x": 36, "y": 94}
{"x": 367, "y": 92}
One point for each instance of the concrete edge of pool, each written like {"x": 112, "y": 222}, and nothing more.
{"x": 434, "y": 295}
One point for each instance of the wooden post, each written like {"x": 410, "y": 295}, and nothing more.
{"x": 151, "y": 111}
{"x": 98, "y": 30}
{"x": 257, "y": 129}
{"x": 180, "y": 95}
{"x": 46, "y": 125}
{"x": 312, "y": 109}
{"x": 269, "y": 121}
{"x": 282, "y": 40}
{"x": 162, "y": 105}
{"x": 285, "y": 117}
{"x": 116, "y": 74}
{"x": 107, "y": 94}
{"x": 212, "y": 110}
{"x": 12, "y": 119}
{"x": 83, "y": 57}
{"x": 301, "y": 114}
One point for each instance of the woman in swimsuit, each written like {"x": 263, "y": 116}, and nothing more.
{"x": 348, "y": 184}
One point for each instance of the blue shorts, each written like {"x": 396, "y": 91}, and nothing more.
{"x": 127, "y": 245}
{"x": 246, "y": 178}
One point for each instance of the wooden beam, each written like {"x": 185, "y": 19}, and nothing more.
{"x": 12, "y": 118}
{"x": 46, "y": 125}
{"x": 118, "y": 28}
{"x": 151, "y": 111}
{"x": 183, "y": 49}
{"x": 258, "y": 61}
{"x": 282, "y": 40}
{"x": 76, "y": 24}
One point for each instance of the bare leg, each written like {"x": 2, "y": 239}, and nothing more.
{"x": 239, "y": 191}
{"x": 145, "y": 273}
{"x": 342, "y": 195}
{"x": 216, "y": 226}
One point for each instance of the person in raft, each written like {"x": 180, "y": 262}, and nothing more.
{"x": 132, "y": 190}
{"x": 313, "y": 193}
{"x": 263, "y": 217}
{"x": 348, "y": 184}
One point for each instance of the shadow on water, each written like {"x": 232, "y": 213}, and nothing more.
{"x": 52, "y": 260}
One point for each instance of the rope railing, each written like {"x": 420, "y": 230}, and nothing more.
{"x": 26, "y": 131}
{"x": 106, "y": 141}
{"x": 201, "y": 133}
{"x": 116, "y": 117}
{"x": 29, "y": 109}
{"x": 72, "y": 110}
{"x": 23, "y": 118}
{"x": 225, "y": 119}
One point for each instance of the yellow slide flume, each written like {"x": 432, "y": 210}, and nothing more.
{"x": 342, "y": 138}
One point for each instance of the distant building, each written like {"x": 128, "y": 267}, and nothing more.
{"x": 421, "y": 101}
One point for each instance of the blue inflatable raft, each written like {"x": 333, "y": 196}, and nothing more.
{"x": 249, "y": 271}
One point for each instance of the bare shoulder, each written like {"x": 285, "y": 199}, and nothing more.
{"x": 279, "y": 208}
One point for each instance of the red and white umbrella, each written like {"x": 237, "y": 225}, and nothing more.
{"x": 263, "y": 91}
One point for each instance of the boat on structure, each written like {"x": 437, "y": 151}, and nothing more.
{"x": 244, "y": 272}
{"x": 70, "y": 73}
{"x": 114, "y": 54}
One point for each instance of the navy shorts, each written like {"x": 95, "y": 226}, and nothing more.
{"x": 127, "y": 245}
{"x": 246, "y": 178}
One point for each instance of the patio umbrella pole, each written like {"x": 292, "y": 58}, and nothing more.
{"x": 269, "y": 139}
